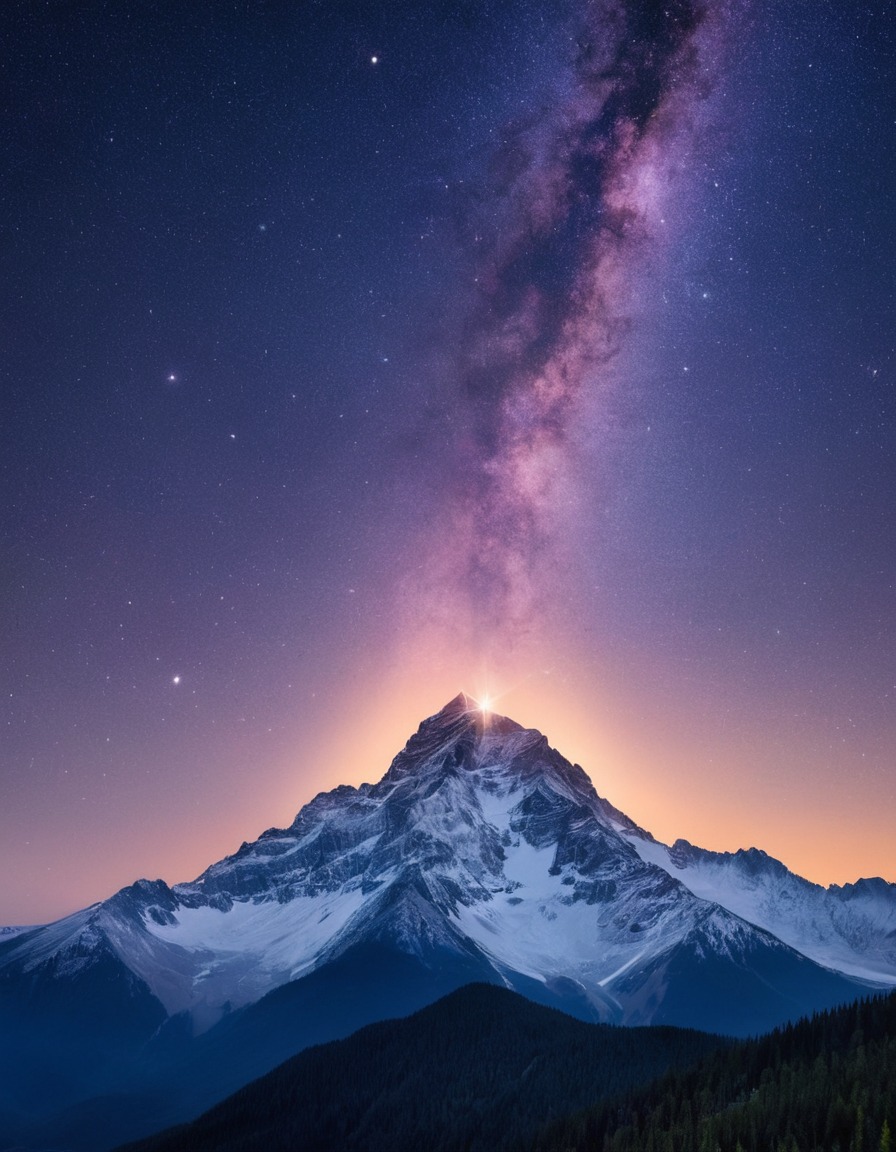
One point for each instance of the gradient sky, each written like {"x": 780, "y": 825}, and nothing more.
{"x": 357, "y": 353}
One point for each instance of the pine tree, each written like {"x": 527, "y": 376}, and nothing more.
{"x": 858, "y": 1140}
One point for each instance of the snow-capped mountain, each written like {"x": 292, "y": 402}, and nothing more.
{"x": 479, "y": 834}
{"x": 481, "y": 854}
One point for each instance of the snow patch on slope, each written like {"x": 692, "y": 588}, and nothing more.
{"x": 234, "y": 957}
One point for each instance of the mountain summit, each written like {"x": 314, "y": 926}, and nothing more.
{"x": 481, "y": 854}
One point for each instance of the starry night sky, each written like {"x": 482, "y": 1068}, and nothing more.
{"x": 355, "y": 354}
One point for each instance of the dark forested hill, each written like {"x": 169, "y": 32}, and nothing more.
{"x": 823, "y": 1085}
{"x": 484, "y": 1069}
{"x": 481, "y": 1069}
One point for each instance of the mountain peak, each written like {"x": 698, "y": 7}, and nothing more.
{"x": 467, "y": 736}
{"x": 460, "y": 705}
{"x": 466, "y": 713}
{"x": 458, "y": 725}
{"x": 468, "y": 707}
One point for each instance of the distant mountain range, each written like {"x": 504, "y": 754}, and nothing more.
{"x": 481, "y": 855}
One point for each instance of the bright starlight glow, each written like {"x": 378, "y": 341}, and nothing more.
{"x": 485, "y": 704}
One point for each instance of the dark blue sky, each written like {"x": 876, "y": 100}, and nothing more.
{"x": 552, "y": 352}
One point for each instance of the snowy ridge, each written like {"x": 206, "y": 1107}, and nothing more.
{"x": 8, "y": 932}
{"x": 850, "y": 928}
